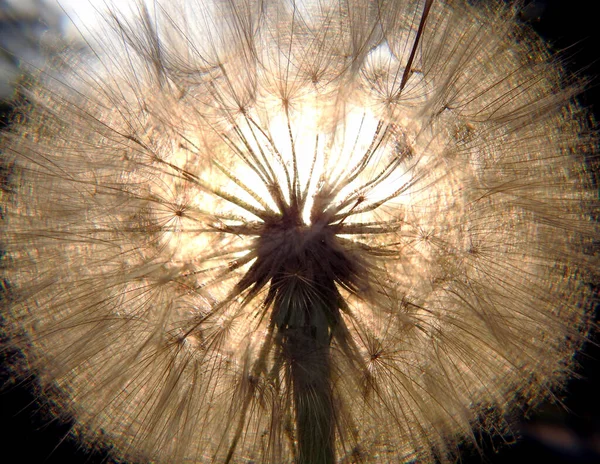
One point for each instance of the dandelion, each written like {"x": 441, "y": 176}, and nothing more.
{"x": 296, "y": 231}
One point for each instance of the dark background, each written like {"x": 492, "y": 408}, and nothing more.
{"x": 564, "y": 432}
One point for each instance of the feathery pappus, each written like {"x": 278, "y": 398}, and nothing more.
{"x": 298, "y": 231}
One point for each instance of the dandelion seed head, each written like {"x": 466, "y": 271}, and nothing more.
{"x": 300, "y": 231}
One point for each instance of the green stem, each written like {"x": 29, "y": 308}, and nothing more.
{"x": 305, "y": 318}
{"x": 311, "y": 383}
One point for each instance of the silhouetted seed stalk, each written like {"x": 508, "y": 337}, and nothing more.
{"x": 309, "y": 232}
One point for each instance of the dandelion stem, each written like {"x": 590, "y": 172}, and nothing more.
{"x": 312, "y": 395}
{"x": 305, "y": 334}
